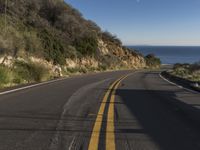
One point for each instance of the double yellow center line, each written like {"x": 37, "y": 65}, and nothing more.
{"x": 110, "y": 128}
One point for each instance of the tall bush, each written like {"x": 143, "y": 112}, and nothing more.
{"x": 152, "y": 61}
{"x": 53, "y": 47}
{"x": 87, "y": 46}
{"x": 30, "y": 72}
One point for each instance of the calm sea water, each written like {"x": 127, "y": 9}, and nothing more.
{"x": 172, "y": 54}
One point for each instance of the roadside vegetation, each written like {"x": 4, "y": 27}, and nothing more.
{"x": 187, "y": 71}
{"x": 152, "y": 61}
{"x": 52, "y": 30}
{"x": 5, "y": 76}
{"x": 23, "y": 73}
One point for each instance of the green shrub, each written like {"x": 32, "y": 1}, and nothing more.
{"x": 73, "y": 70}
{"x": 152, "y": 61}
{"x": 72, "y": 53}
{"x": 32, "y": 42}
{"x": 77, "y": 70}
{"x": 194, "y": 67}
{"x": 107, "y": 36}
{"x": 102, "y": 67}
{"x": 87, "y": 46}
{"x": 83, "y": 70}
{"x": 181, "y": 72}
{"x": 5, "y": 75}
{"x": 30, "y": 72}
{"x": 53, "y": 48}
{"x": 188, "y": 71}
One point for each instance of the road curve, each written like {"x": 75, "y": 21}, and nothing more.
{"x": 121, "y": 110}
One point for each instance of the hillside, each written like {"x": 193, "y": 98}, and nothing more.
{"x": 55, "y": 36}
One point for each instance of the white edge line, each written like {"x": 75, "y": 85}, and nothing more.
{"x": 30, "y": 86}
{"x": 181, "y": 87}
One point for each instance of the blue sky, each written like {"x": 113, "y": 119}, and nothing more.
{"x": 146, "y": 22}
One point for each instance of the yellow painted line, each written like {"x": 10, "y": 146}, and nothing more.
{"x": 110, "y": 129}
{"x": 94, "y": 140}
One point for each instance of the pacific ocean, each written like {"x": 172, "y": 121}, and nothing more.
{"x": 171, "y": 54}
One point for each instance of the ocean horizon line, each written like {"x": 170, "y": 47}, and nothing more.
{"x": 164, "y": 45}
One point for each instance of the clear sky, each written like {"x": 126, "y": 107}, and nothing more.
{"x": 146, "y": 22}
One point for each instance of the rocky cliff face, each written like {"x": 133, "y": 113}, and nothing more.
{"x": 119, "y": 56}
{"x": 111, "y": 57}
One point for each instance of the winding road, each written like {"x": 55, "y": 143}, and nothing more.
{"x": 121, "y": 110}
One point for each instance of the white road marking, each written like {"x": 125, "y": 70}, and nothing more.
{"x": 30, "y": 86}
{"x": 181, "y": 87}
{"x": 34, "y": 85}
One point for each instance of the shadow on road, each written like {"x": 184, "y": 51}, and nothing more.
{"x": 171, "y": 124}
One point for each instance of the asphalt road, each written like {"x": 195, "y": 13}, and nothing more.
{"x": 123, "y": 110}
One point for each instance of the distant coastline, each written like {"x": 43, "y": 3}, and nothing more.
{"x": 171, "y": 54}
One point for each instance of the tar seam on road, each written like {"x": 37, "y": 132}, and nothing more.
{"x": 78, "y": 94}
{"x": 110, "y": 129}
